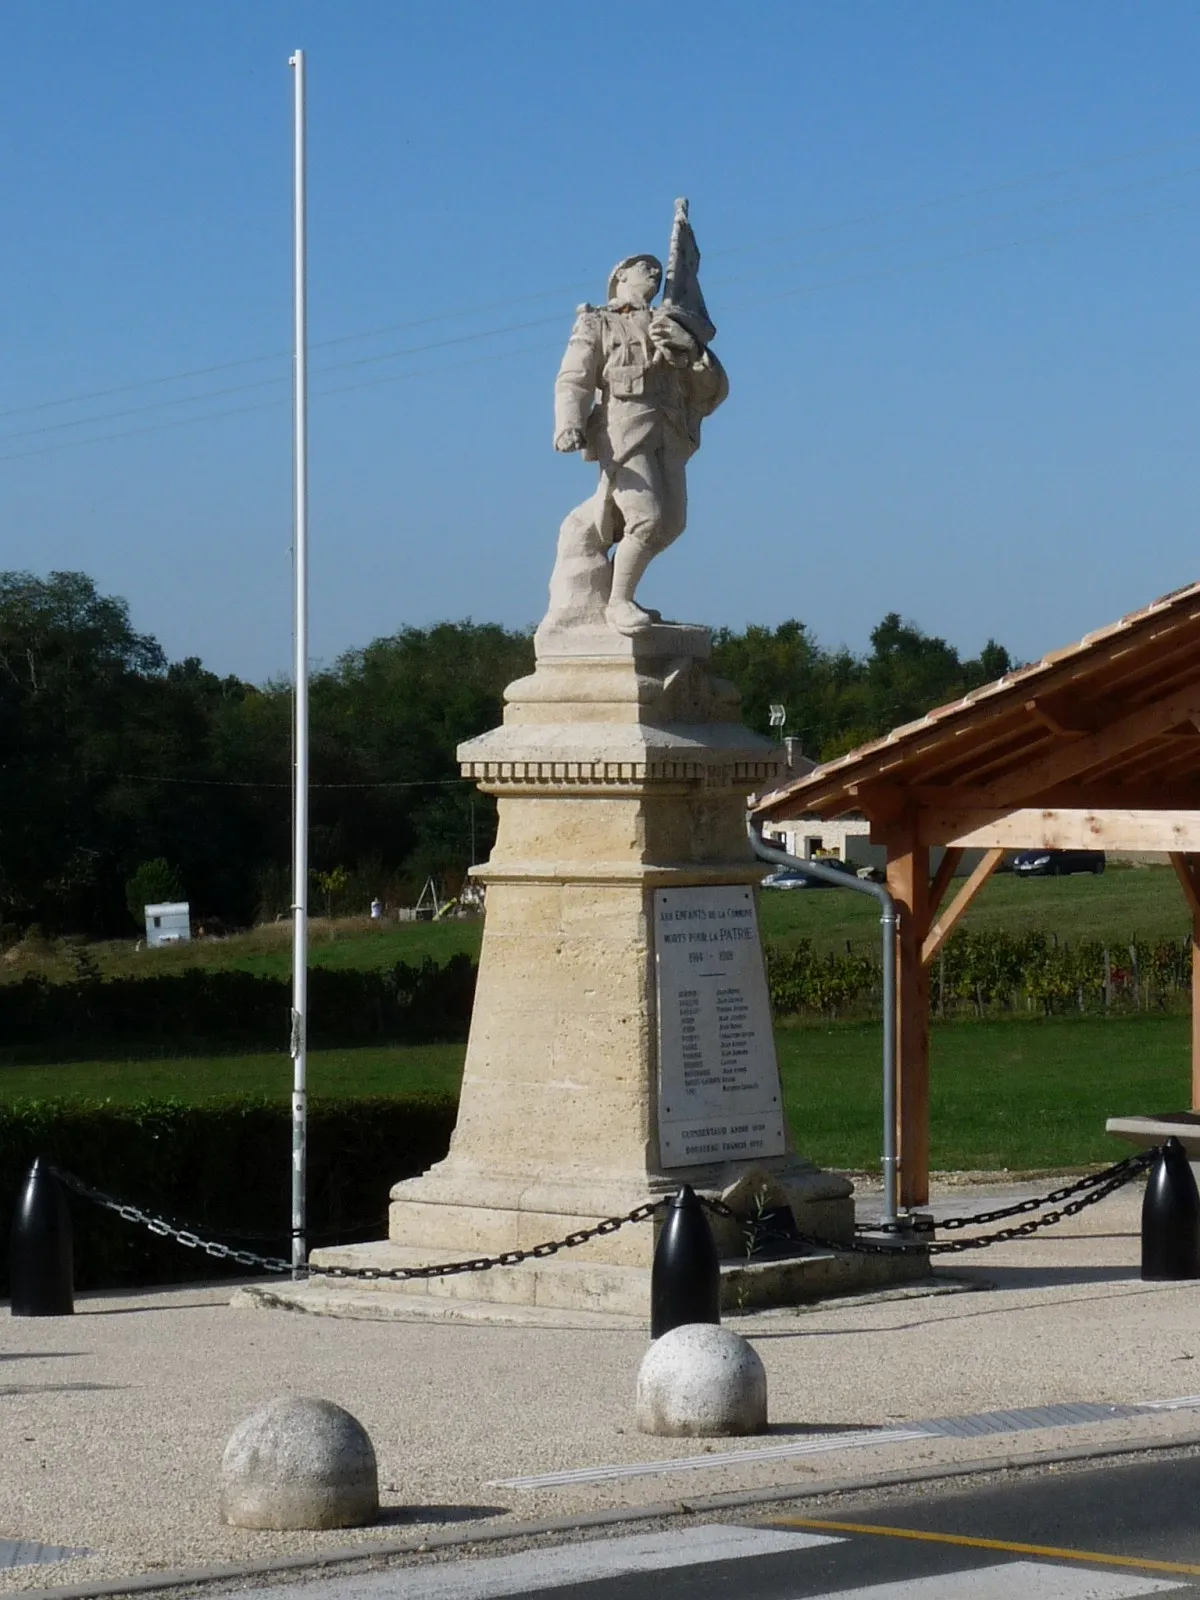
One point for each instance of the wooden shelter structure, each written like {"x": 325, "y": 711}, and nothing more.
{"x": 1096, "y": 746}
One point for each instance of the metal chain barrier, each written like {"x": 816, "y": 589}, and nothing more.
{"x": 1087, "y": 1191}
{"x": 508, "y": 1258}
{"x": 1120, "y": 1172}
{"x": 445, "y": 1269}
{"x": 168, "y": 1230}
{"x": 1066, "y": 1201}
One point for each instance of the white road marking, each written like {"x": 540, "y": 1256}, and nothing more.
{"x": 1188, "y": 1402}
{"x": 819, "y": 1444}
{"x": 810, "y": 1446}
{"x": 1014, "y": 1580}
{"x": 554, "y": 1568}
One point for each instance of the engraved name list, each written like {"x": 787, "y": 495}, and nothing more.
{"x": 718, "y": 1082}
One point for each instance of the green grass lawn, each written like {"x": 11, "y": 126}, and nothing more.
{"x": 1118, "y": 905}
{"x": 266, "y": 951}
{"x": 332, "y": 1075}
{"x": 1022, "y": 1095}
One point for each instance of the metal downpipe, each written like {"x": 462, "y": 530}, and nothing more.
{"x": 888, "y": 923}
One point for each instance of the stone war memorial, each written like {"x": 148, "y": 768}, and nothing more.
{"x": 621, "y": 1041}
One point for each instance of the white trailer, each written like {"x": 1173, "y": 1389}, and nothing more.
{"x": 169, "y": 923}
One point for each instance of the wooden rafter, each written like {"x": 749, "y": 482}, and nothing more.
{"x": 1135, "y": 728}
{"x": 877, "y": 801}
{"x": 1067, "y": 720}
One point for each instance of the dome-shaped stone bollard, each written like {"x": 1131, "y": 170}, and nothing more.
{"x": 299, "y": 1462}
{"x": 701, "y": 1381}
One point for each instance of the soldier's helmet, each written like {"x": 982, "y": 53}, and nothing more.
{"x": 629, "y": 261}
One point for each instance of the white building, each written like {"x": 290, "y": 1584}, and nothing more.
{"x": 812, "y": 837}
{"x": 169, "y": 923}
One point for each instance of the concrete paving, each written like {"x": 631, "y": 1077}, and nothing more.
{"x": 114, "y": 1420}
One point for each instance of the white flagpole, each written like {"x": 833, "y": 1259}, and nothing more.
{"x": 300, "y": 742}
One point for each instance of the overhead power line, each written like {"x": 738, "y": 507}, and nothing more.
{"x": 285, "y": 355}
{"x": 780, "y": 292}
{"x": 955, "y": 198}
{"x": 270, "y": 405}
{"x": 270, "y": 783}
{"x": 263, "y": 383}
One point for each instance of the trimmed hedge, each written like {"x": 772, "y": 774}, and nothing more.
{"x": 404, "y": 1005}
{"x": 220, "y": 1170}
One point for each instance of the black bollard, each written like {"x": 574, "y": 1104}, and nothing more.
{"x": 1171, "y": 1217}
{"x": 685, "y": 1280}
{"x": 41, "y": 1260}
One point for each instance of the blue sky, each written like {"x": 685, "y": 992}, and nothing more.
{"x": 952, "y": 249}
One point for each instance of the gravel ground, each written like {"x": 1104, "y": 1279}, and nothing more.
{"x": 113, "y": 1422}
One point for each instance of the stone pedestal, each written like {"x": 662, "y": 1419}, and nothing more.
{"x": 622, "y": 768}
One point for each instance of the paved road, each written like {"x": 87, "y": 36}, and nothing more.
{"x": 1102, "y": 1534}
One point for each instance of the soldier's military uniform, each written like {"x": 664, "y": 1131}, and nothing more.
{"x": 640, "y": 416}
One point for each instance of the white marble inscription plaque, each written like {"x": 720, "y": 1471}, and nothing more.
{"x": 718, "y": 1081}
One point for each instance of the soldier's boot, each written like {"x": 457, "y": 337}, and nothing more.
{"x": 630, "y": 560}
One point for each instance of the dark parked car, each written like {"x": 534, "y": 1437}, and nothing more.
{"x": 1056, "y": 863}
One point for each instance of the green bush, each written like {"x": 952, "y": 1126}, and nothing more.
{"x": 223, "y": 1170}
{"x": 801, "y": 981}
{"x": 154, "y": 883}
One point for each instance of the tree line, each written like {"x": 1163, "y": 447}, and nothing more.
{"x": 123, "y": 773}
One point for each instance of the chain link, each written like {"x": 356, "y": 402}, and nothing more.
{"x": 1066, "y": 1201}
{"x": 167, "y": 1230}
{"x": 1096, "y": 1186}
{"x": 1121, "y": 1171}
{"x": 446, "y": 1269}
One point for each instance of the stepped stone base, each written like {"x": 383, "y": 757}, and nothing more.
{"x": 568, "y": 1285}
{"x": 460, "y": 1209}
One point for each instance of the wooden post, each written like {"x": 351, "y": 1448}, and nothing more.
{"x": 1187, "y": 870}
{"x": 908, "y": 882}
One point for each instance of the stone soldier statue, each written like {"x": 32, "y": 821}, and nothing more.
{"x": 634, "y": 386}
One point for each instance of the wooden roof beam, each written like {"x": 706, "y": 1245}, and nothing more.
{"x": 1136, "y": 727}
{"x": 1176, "y": 765}
{"x": 880, "y": 803}
{"x": 1033, "y": 828}
{"x": 1063, "y": 718}
{"x": 1106, "y": 794}
{"x": 1170, "y": 665}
